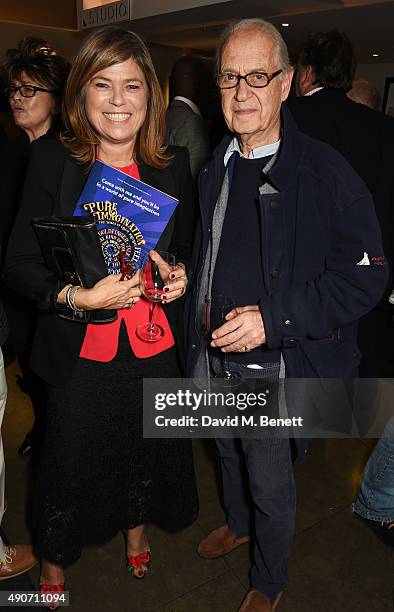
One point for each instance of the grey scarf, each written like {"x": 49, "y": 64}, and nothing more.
{"x": 202, "y": 368}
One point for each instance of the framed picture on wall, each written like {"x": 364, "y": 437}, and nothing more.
{"x": 388, "y": 97}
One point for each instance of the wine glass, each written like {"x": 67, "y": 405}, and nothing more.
{"x": 153, "y": 277}
{"x": 217, "y": 308}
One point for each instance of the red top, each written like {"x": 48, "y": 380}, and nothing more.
{"x": 101, "y": 340}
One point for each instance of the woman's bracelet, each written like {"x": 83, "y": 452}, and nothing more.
{"x": 70, "y": 298}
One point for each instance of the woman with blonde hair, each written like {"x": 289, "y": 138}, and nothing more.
{"x": 98, "y": 475}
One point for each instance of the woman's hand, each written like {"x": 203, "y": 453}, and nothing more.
{"x": 175, "y": 278}
{"x": 109, "y": 293}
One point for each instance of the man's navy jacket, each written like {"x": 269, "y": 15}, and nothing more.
{"x": 316, "y": 228}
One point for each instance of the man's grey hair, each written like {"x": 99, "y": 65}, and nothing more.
{"x": 262, "y": 26}
{"x": 365, "y": 92}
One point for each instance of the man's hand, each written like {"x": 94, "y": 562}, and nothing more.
{"x": 244, "y": 329}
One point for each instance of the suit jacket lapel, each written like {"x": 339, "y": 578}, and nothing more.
{"x": 180, "y": 104}
{"x": 163, "y": 180}
{"x": 73, "y": 180}
{"x": 160, "y": 179}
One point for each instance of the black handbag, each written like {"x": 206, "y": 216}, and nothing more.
{"x": 71, "y": 249}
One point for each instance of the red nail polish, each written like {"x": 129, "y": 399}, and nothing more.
{"x": 166, "y": 289}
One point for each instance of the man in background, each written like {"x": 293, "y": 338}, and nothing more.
{"x": 185, "y": 124}
{"x": 325, "y": 71}
{"x": 365, "y": 92}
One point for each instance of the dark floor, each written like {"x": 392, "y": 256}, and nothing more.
{"x": 336, "y": 563}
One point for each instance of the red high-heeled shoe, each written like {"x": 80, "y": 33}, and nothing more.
{"x": 138, "y": 565}
{"x": 52, "y": 589}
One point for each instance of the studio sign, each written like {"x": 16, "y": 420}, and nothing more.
{"x": 109, "y": 13}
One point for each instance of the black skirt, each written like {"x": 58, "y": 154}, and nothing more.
{"x": 97, "y": 474}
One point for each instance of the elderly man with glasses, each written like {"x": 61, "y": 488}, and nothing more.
{"x": 284, "y": 221}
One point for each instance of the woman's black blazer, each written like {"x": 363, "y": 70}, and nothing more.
{"x": 52, "y": 173}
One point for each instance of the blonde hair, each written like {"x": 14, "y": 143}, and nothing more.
{"x": 106, "y": 47}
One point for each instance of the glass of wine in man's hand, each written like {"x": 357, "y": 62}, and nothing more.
{"x": 219, "y": 307}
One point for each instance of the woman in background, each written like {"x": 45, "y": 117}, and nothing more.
{"x": 36, "y": 76}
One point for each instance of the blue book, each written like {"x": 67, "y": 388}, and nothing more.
{"x": 130, "y": 215}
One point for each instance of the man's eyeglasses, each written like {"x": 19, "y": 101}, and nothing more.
{"x": 228, "y": 80}
{"x": 26, "y": 91}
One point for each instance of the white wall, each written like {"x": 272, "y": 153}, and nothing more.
{"x": 376, "y": 73}
{"x": 66, "y": 42}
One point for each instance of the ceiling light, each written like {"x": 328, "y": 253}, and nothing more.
{"x": 375, "y": 54}
{"x": 285, "y": 25}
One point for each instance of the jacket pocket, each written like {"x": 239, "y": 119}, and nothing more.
{"x": 331, "y": 339}
{"x": 329, "y": 357}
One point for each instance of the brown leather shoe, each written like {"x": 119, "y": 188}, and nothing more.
{"x": 18, "y": 559}
{"x": 220, "y": 542}
{"x": 255, "y": 601}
